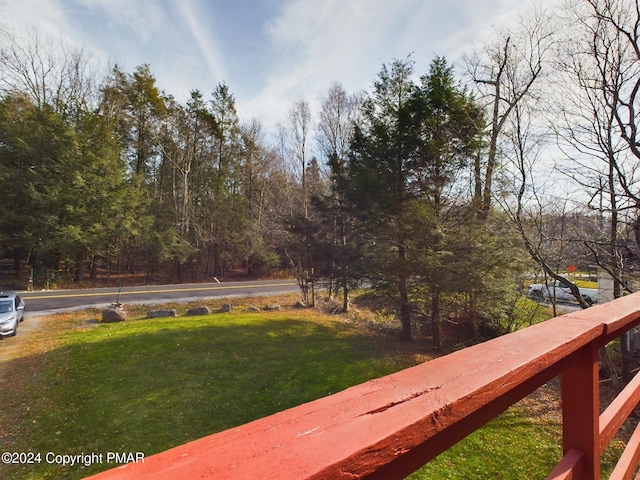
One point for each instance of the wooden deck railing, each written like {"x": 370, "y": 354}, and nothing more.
{"x": 389, "y": 427}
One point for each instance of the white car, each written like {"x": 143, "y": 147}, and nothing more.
{"x": 559, "y": 291}
{"x": 11, "y": 313}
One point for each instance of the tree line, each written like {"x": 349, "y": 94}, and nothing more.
{"x": 431, "y": 188}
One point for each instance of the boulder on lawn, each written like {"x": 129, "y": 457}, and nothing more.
{"x": 226, "y": 308}
{"x": 114, "y": 313}
{"x": 300, "y": 304}
{"x": 252, "y": 308}
{"x": 203, "y": 310}
{"x": 162, "y": 313}
{"x": 271, "y": 308}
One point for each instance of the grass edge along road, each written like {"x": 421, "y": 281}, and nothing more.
{"x": 147, "y": 385}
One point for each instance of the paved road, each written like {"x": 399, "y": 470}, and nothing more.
{"x": 150, "y": 294}
{"x": 562, "y": 308}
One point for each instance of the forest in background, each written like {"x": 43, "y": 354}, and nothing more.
{"x": 433, "y": 187}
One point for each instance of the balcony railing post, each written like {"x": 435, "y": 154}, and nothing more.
{"x": 580, "y": 410}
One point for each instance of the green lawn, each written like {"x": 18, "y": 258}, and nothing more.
{"x": 148, "y": 385}
{"x": 510, "y": 447}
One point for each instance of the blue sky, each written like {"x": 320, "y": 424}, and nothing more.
{"x": 270, "y": 53}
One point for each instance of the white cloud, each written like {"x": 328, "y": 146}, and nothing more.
{"x": 204, "y": 38}
{"x": 315, "y": 43}
{"x": 143, "y": 19}
{"x": 270, "y": 52}
{"x": 329, "y": 36}
{"x": 48, "y": 17}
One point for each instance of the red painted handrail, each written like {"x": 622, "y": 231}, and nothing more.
{"x": 391, "y": 426}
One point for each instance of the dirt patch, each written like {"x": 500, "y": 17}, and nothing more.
{"x": 544, "y": 405}
{"x": 12, "y": 347}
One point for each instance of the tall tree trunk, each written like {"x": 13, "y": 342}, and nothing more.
{"x": 313, "y": 290}
{"x": 477, "y": 182}
{"x": 403, "y": 290}
{"x": 345, "y": 295}
{"x": 79, "y": 271}
{"x": 17, "y": 265}
{"x": 496, "y": 126}
{"x": 179, "y": 271}
{"x": 436, "y": 322}
{"x": 94, "y": 268}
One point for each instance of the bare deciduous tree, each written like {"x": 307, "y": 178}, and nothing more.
{"x": 591, "y": 77}
{"x": 300, "y": 129}
{"x": 602, "y": 58}
{"x": 50, "y": 73}
{"x": 297, "y": 138}
{"x": 505, "y": 74}
{"x": 338, "y": 112}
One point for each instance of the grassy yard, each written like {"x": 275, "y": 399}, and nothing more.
{"x": 148, "y": 385}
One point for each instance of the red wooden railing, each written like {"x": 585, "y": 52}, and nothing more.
{"x": 389, "y": 427}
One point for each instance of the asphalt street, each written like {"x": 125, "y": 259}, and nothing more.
{"x": 52, "y": 300}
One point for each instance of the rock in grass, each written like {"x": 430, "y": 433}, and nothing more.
{"x": 226, "y": 308}
{"x": 252, "y": 308}
{"x": 114, "y": 313}
{"x": 203, "y": 310}
{"x": 272, "y": 307}
{"x": 162, "y": 313}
